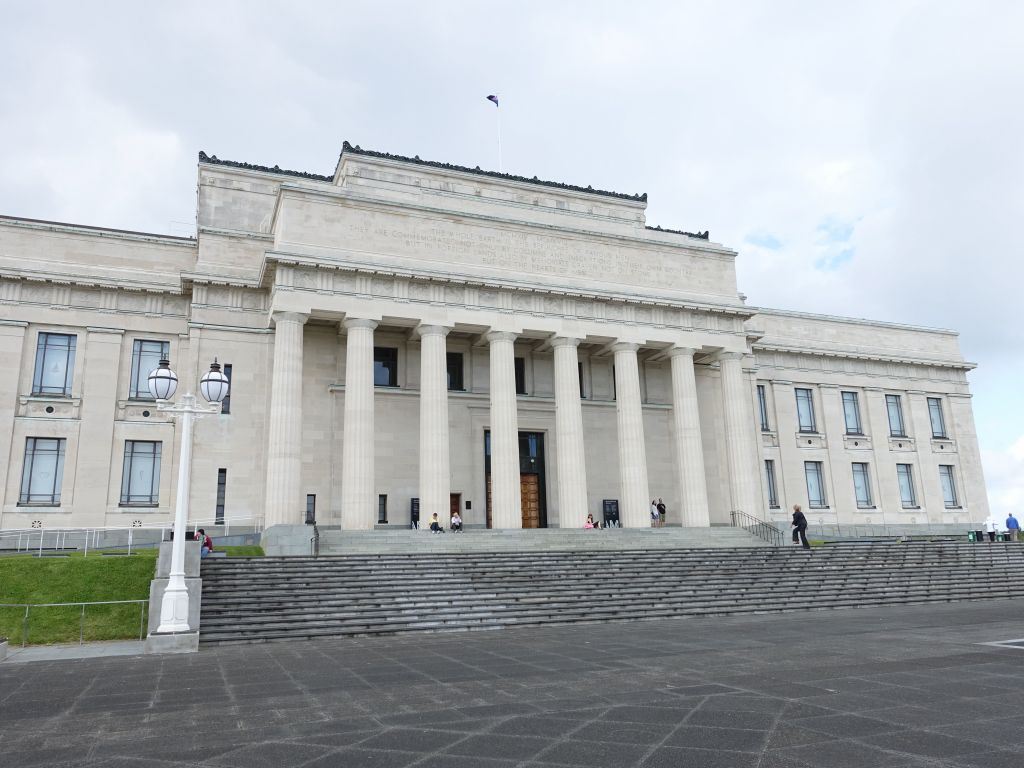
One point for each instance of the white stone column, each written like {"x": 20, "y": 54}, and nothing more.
{"x": 284, "y": 447}
{"x": 693, "y": 490}
{"x": 506, "y": 502}
{"x": 358, "y": 501}
{"x": 435, "y": 471}
{"x": 738, "y": 434}
{"x": 635, "y": 501}
{"x": 572, "y": 470}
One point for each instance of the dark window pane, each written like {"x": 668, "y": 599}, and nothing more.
{"x": 225, "y": 406}
{"x": 385, "y": 367}
{"x": 455, "y": 371}
{"x": 762, "y": 405}
{"x": 520, "y": 364}
{"x": 935, "y": 415}
{"x": 222, "y": 485}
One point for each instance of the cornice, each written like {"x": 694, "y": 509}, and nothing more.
{"x": 852, "y": 320}
{"x": 57, "y": 278}
{"x": 84, "y": 229}
{"x": 903, "y": 359}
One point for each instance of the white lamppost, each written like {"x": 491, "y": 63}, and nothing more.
{"x": 162, "y": 384}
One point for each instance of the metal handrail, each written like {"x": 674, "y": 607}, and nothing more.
{"x": 761, "y": 529}
{"x": 143, "y": 604}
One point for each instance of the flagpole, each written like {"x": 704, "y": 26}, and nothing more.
{"x": 500, "y": 169}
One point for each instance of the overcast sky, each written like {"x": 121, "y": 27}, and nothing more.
{"x": 865, "y": 159}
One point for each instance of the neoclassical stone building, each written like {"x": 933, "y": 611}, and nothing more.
{"x": 405, "y": 334}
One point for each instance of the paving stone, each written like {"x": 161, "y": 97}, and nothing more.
{"x": 593, "y": 753}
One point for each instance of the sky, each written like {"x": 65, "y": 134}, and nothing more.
{"x": 865, "y": 159}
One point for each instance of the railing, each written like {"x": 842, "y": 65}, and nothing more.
{"x": 761, "y": 529}
{"x": 111, "y": 537}
{"x": 314, "y": 543}
{"x": 143, "y": 605}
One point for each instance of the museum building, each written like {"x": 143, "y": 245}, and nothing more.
{"x": 408, "y": 337}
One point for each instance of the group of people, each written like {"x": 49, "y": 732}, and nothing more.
{"x": 658, "y": 513}
{"x": 1011, "y": 527}
{"x": 455, "y": 524}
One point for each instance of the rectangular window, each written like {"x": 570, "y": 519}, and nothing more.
{"x": 146, "y": 355}
{"x": 382, "y": 508}
{"x": 225, "y": 405}
{"x": 140, "y": 477}
{"x": 43, "y": 472}
{"x": 773, "y": 491}
{"x": 520, "y": 366}
{"x": 453, "y": 362}
{"x": 851, "y": 411}
{"x": 862, "y": 485}
{"x": 935, "y": 414}
{"x": 894, "y": 406}
{"x": 948, "y": 486}
{"x": 55, "y": 364}
{"x": 905, "y": 474}
{"x": 815, "y": 485}
{"x": 805, "y": 410}
{"x": 762, "y": 407}
{"x": 579, "y": 368}
{"x": 222, "y": 487}
{"x": 385, "y": 367}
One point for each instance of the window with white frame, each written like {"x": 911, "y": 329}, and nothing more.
{"x": 851, "y": 412}
{"x": 146, "y": 355}
{"x": 905, "y": 475}
{"x": 805, "y": 410}
{"x": 814, "y": 472}
{"x": 140, "y": 478}
{"x": 862, "y": 485}
{"x": 935, "y": 416}
{"x": 55, "y": 364}
{"x": 948, "y": 486}
{"x": 894, "y": 405}
{"x": 43, "y": 471}
{"x": 773, "y": 490}
{"x": 762, "y": 407}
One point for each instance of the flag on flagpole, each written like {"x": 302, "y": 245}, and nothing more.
{"x": 493, "y": 98}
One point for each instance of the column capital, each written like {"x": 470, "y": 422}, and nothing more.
{"x": 565, "y": 341}
{"x": 432, "y": 330}
{"x": 625, "y": 346}
{"x": 493, "y": 336}
{"x": 289, "y": 317}
{"x": 726, "y": 355}
{"x": 358, "y": 322}
{"x": 682, "y": 352}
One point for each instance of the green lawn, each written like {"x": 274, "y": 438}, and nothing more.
{"x": 26, "y": 579}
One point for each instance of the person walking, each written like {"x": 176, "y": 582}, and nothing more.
{"x": 1012, "y": 526}
{"x": 654, "y": 514}
{"x": 662, "y": 511}
{"x": 800, "y": 527}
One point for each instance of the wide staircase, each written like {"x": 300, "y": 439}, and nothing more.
{"x": 262, "y": 599}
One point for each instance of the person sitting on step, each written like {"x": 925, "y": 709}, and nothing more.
{"x": 456, "y": 525}
{"x": 589, "y": 522}
{"x": 435, "y": 524}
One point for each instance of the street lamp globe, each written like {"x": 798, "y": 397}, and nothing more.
{"x": 163, "y": 382}
{"x": 214, "y": 385}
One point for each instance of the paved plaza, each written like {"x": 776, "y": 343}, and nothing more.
{"x": 893, "y": 687}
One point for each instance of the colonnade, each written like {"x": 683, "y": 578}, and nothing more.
{"x": 358, "y": 494}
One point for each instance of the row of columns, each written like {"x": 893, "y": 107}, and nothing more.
{"x": 358, "y": 493}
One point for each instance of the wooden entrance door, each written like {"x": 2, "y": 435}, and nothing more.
{"x": 455, "y": 505}
{"x": 529, "y": 492}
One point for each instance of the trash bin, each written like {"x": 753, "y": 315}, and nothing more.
{"x": 979, "y": 535}
{"x": 971, "y": 536}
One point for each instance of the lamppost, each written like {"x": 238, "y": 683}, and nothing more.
{"x": 163, "y": 382}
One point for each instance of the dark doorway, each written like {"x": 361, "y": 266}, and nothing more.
{"x": 532, "y": 479}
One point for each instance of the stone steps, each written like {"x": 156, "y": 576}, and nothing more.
{"x": 262, "y": 599}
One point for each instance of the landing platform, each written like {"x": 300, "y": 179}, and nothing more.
{"x": 296, "y": 540}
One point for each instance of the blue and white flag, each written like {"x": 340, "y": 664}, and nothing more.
{"x": 493, "y": 98}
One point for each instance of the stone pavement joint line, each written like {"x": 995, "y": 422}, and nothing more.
{"x": 892, "y": 686}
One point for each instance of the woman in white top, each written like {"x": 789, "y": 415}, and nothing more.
{"x": 456, "y": 523}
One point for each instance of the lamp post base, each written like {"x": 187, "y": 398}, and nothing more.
{"x": 174, "y": 608}
{"x": 172, "y": 642}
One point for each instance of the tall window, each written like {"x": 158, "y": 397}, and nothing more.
{"x": 773, "y": 490}
{"x": 935, "y": 415}
{"x": 55, "y": 364}
{"x": 520, "y": 368}
{"x": 222, "y": 488}
{"x": 225, "y": 406}
{"x": 43, "y": 471}
{"x": 762, "y": 407}
{"x": 851, "y": 410}
{"x": 146, "y": 356}
{"x": 453, "y": 363}
{"x": 894, "y": 406}
{"x": 815, "y": 485}
{"x": 862, "y": 485}
{"x": 382, "y": 508}
{"x": 579, "y": 369}
{"x": 948, "y": 486}
{"x": 905, "y": 474}
{"x": 385, "y": 367}
{"x": 805, "y": 410}
{"x": 140, "y": 478}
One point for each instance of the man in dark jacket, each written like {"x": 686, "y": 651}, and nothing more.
{"x": 800, "y": 526}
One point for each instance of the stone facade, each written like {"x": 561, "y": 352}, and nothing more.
{"x": 604, "y": 359}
